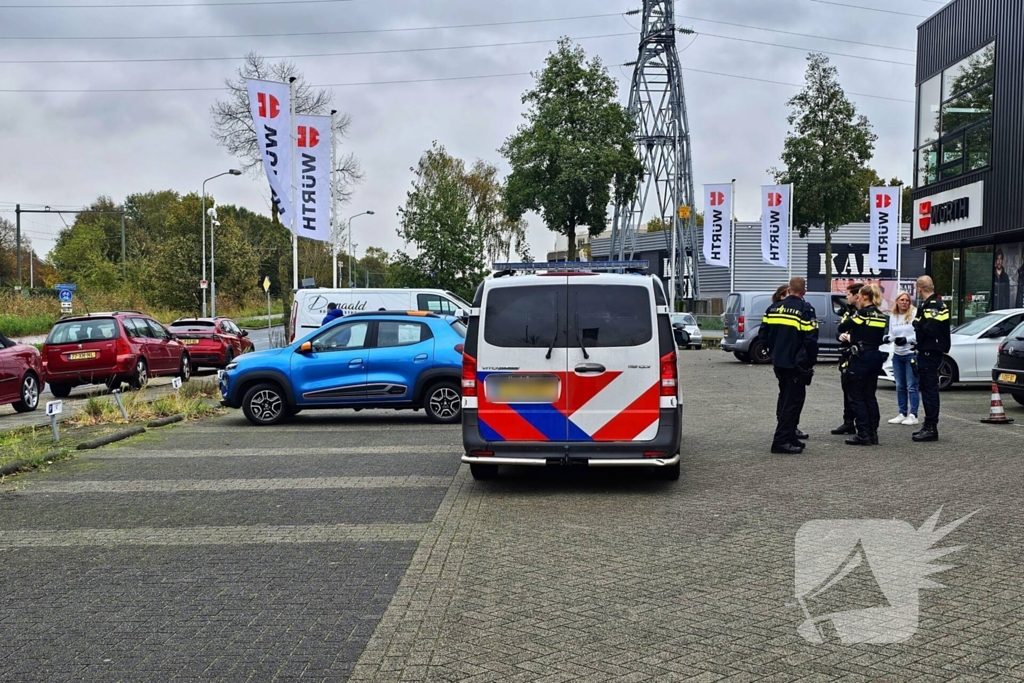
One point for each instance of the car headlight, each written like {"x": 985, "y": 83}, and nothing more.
{"x": 233, "y": 365}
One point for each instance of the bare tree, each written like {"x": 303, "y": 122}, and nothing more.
{"x": 233, "y": 127}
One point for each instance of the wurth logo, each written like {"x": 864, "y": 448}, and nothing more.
{"x": 308, "y": 136}
{"x": 774, "y": 199}
{"x": 925, "y": 219}
{"x": 269, "y": 107}
{"x": 883, "y": 201}
{"x": 717, "y": 198}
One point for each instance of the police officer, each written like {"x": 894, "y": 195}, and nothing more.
{"x": 932, "y": 328}
{"x": 790, "y": 330}
{"x": 864, "y": 332}
{"x": 849, "y": 414}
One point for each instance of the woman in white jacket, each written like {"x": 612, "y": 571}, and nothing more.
{"x": 901, "y": 333}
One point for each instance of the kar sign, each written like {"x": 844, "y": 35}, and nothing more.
{"x": 775, "y": 228}
{"x": 271, "y": 118}
{"x": 885, "y": 225}
{"x": 313, "y": 147}
{"x": 717, "y": 224}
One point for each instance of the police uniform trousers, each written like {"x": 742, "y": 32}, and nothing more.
{"x": 792, "y": 394}
{"x": 862, "y": 380}
{"x": 928, "y": 363}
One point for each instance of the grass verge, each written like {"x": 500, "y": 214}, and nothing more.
{"x": 259, "y": 322}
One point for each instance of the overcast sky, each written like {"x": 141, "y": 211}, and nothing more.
{"x": 65, "y": 149}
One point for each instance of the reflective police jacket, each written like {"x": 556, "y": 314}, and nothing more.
{"x": 790, "y": 329}
{"x": 932, "y": 325}
{"x": 866, "y": 327}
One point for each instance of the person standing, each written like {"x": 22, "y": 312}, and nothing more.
{"x": 849, "y": 414}
{"x": 904, "y": 360}
{"x": 1000, "y": 284}
{"x": 781, "y": 293}
{"x": 790, "y": 331}
{"x": 333, "y": 313}
{"x": 864, "y": 332}
{"x": 931, "y": 325}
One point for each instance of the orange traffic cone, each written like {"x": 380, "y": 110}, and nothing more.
{"x": 996, "y": 416}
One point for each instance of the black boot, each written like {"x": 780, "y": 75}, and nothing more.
{"x": 845, "y": 428}
{"x": 787, "y": 449}
{"x": 873, "y": 433}
{"x": 802, "y": 436}
{"x": 927, "y": 433}
{"x": 861, "y": 438}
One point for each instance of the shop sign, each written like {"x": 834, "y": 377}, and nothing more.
{"x": 951, "y": 211}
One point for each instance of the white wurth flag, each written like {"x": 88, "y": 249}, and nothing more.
{"x": 271, "y": 119}
{"x": 885, "y": 216}
{"x": 775, "y": 227}
{"x": 717, "y": 224}
{"x": 313, "y": 156}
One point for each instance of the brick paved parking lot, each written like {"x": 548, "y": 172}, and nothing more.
{"x": 352, "y": 546}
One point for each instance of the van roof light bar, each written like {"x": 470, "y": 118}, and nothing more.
{"x": 501, "y": 269}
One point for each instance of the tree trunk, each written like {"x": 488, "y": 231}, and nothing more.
{"x": 828, "y": 259}
{"x": 570, "y": 253}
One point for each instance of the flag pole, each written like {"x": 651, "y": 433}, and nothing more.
{"x": 899, "y": 243}
{"x": 789, "y": 236}
{"x": 295, "y": 209}
{"x": 732, "y": 239}
{"x": 334, "y": 208}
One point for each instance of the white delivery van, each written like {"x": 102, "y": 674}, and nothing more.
{"x": 310, "y": 305}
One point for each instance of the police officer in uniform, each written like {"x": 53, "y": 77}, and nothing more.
{"x": 864, "y": 332}
{"x": 790, "y": 330}
{"x": 932, "y": 328}
{"x": 849, "y": 414}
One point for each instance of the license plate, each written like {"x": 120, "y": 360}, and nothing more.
{"x": 189, "y": 342}
{"x": 522, "y": 389}
{"x": 84, "y": 355}
{"x": 1008, "y": 377}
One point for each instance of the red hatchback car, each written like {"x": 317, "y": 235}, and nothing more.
{"x": 211, "y": 342}
{"x": 21, "y": 372}
{"x": 111, "y": 348}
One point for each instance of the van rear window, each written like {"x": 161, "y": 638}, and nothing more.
{"x": 525, "y": 317}
{"x": 78, "y": 331}
{"x": 610, "y": 315}
{"x": 732, "y": 304}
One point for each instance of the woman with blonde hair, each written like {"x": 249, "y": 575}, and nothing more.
{"x": 904, "y": 359}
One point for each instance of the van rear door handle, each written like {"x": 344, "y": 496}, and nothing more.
{"x": 590, "y": 368}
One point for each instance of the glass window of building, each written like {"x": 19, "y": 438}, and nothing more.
{"x": 955, "y": 108}
{"x": 977, "y": 282}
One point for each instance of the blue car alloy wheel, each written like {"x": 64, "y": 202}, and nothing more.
{"x": 406, "y": 360}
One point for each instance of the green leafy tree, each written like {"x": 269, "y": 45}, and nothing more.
{"x": 658, "y": 225}
{"x": 869, "y": 178}
{"x": 575, "y": 150}
{"x": 825, "y": 156}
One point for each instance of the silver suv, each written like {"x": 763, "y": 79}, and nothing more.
{"x": 742, "y": 318}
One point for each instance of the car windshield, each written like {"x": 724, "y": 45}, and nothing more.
{"x": 683, "y": 319}
{"x": 1018, "y": 333}
{"x": 978, "y": 325}
{"x": 78, "y": 331}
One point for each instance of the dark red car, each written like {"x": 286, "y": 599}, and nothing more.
{"x": 211, "y": 342}
{"x": 21, "y": 372}
{"x": 111, "y": 348}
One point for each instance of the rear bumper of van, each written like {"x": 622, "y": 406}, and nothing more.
{"x": 662, "y": 451}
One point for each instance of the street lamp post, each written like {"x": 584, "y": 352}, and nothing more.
{"x": 351, "y": 275}
{"x": 233, "y": 171}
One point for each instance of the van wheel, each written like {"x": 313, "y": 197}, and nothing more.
{"x": 759, "y": 353}
{"x": 668, "y": 472}
{"x": 265, "y": 404}
{"x": 60, "y": 390}
{"x": 742, "y": 357}
{"x": 443, "y": 403}
{"x": 483, "y": 472}
{"x": 29, "y": 394}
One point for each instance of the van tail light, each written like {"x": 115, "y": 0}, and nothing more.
{"x": 741, "y": 324}
{"x": 295, "y": 319}
{"x": 669, "y": 374}
{"x": 460, "y": 348}
{"x": 468, "y": 375}
{"x": 122, "y": 347}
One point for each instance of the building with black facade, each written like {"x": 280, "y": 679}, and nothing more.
{"x": 969, "y": 154}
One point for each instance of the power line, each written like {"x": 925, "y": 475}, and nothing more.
{"x": 802, "y": 49}
{"x": 322, "y": 33}
{"x": 792, "y": 85}
{"x": 150, "y": 60}
{"x": 801, "y": 35}
{"x": 242, "y": 3}
{"x": 870, "y": 9}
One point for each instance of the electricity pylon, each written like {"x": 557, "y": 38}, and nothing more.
{"x": 658, "y": 105}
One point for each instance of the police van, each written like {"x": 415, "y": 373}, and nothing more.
{"x": 564, "y": 364}
{"x": 310, "y": 305}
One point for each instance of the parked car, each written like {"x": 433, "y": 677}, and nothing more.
{"x": 21, "y": 372}
{"x": 403, "y": 360}
{"x": 571, "y": 367}
{"x": 974, "y": 347}
{"x": 111, "y": 348}
{"x": 211, "y": 342}
{"x": 1008, "y": 374}
{"x": 310, "y": 305}
{"x": 743, "y": 314}
{"x": 684, "y": 322}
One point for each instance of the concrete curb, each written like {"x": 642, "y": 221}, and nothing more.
{"x": 164, "y": 421}
{"x": 111, "y": 438}
{"x": 18, "y": 465}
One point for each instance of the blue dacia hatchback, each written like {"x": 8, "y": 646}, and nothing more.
{"x": 366, "y": 360}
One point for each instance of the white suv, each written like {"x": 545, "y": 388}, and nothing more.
{"x": 570, "y": 366}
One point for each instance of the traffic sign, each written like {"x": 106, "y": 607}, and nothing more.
{"x": 684, "y": 212}
{"x": 61, "y": 288}
{"x": 266, "y": 284}
{"x": 203, "y": 284}
{"x": 66, "y": 296}
{"x": 176, "y": 383}
{"x": 54, "y": 408}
